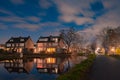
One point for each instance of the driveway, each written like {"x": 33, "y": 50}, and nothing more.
{"x": 105, "y": 68}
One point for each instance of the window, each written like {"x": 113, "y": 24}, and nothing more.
{"x": 51, "y": 60}
{"x": 21, "y": 39}
{"x": 54, "y": 44}
{"x": 51, "y": 50}
{"x": 11, "y": 40}
{"x": 12, "y": 45}
{"x": 16, "y": 44}
{"x": 55, "y": 39}
{"x": 8, "y": 45}
{"x": 21, "y": 44}
{"x": 44, "y": 39}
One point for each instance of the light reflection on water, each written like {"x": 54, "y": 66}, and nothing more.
{"x": 48, "y": 68}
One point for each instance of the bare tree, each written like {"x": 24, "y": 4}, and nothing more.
{"x": 69, "y": 37}
{"x": 104, "y": 37}
{"x": 110, "y": 37}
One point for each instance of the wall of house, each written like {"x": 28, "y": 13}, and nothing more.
{"x": 29, "y": 44}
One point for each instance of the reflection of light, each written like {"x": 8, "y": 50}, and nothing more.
{"x": 56, "y": 70}
{"x": 51, "y": 60}
{"x": 7, "y": 49}
{"x": 20, "y": 50}
{"x": 39, "y": 66}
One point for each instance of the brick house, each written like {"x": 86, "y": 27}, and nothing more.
{"x": 19, "y": 44}
{"x": 50, "y": 44}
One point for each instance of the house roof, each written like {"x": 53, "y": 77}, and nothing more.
{"x": 47, "y": 39}
{"x": 18, "y": 39}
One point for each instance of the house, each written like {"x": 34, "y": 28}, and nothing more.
{"x": 47, "y": 65}
{"x": 18, "y": 65}
{"x": 50, "y": 44}
{"x": 19, "y": 44}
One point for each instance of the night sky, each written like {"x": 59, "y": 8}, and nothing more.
{"x": 37, "y": 18}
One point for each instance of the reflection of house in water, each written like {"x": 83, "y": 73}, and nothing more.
{"x": 18, "y": 65}
{"x": 47, "y": 65}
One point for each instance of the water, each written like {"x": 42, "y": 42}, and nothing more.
{"x": 48, "y": 68}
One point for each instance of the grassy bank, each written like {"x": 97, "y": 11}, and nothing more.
{"x": 8, "y": 56}
{"x": 79, "y": 72}
{"x": 115, "y": 56}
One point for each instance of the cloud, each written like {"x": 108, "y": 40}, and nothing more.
{"x": 29, "y": 22}
{"x": 28, "y": 26}
{"x": 70, "y": 11}
{"x": 51, "y": 24}
{"x": 109, "y": 18}
{"x": 33, "y": 19}
{"x": 6, "y": 12}
{"x": 17, "y": 2}
{"x": 18, "y": 19}
{"x": 77, "y": 20}
{"x": 45, "y": 4}
{"x": 10, "y": 19}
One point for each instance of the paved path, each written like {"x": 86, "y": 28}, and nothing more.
{"x": 105, "y": 68}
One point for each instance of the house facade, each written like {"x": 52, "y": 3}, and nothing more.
{"x": 19, "y": 44}
{"x": 50, "y": 44}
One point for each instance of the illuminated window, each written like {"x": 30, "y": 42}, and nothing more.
{"x": 51, "y": 60}
{"x": 51, "y": 50}
{"x": 21, "y": 39}
{"x": 54, "y": 44}
{"x": 12, "y": 45}
{"x": 44, "y": 39}
{"x": 8, "y": 45}
{"x": 11, "y": 40}
{"x": 22, "y": 44}
{"x": 20, "y": 50}
{"x": 55, "y": 39}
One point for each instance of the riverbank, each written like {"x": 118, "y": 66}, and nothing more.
{"x": 25, "y": 56}
{"x": 80, "y": 71}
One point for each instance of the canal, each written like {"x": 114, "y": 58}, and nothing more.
{"x": 48, "y": 68}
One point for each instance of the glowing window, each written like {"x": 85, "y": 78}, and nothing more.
{"x": 51, "y": 60}
{"x": 22, "y": 44}
{"x": 50, "y": 50}
{"x": 11, "y": 40}
{"x": 21, "y": 39}
{"x": 8, "y": 45}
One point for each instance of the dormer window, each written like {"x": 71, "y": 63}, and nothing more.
{"x": 55, "y": 39}
{"x": 21, "y": 39}
{"x": 43, "y": 39}
{"x": 11, "y": 40}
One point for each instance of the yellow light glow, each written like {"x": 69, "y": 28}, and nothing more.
{"x": 117, "y": 51}
{"x": 20, "y": 50}
{"x": 51, "y": 50}
{"x": 35, "y": 50}
{"x": 113, "y": 49}
{"x": 51, "y": 60}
